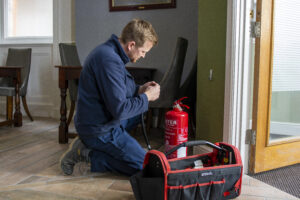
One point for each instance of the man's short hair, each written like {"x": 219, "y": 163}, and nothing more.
{"x": 139, "y": 31}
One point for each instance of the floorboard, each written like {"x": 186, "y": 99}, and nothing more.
{"x": 29, "y": 169}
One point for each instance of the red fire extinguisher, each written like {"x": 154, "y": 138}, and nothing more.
{"x": 176, "y": 129}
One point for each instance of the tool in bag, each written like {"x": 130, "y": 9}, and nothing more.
{"x": 210, "y": 176}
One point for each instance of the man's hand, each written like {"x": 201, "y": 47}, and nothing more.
{"x": 143, "y": 88}
{"x": 151, "y": 89}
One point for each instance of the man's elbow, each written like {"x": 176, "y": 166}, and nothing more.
{"x": 119, "y": 114}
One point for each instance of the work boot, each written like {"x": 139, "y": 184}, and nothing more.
{"x": 77, "y": 152}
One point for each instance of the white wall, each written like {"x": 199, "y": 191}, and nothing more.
{"x": 95, "y": 24}
{"x": 43, "y": 95}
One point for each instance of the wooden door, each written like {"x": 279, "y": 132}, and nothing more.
{"x": 276, "y": 79}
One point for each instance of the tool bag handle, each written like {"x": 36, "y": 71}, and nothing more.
{"x": 194, "y": 143}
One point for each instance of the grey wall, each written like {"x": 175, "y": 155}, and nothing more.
{"x": 95, "y": 24}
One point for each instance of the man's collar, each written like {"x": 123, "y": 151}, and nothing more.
{"x": 120, "y": 49}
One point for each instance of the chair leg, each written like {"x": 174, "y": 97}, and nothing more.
{"x": 9, "y": 108}
{"x": 161, "y": 117}
{"x": 71, "y": 112}
{"x": 155, "y": 116}
{"x": 26, "y": 108}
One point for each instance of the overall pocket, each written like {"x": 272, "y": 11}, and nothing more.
{"x": 212, "y": 190}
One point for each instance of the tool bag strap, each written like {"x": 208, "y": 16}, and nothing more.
{"x": 194, "y": 143}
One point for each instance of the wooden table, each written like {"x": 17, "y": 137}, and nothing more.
{"x": 15, "y": 73}
{"x": 65, "y": 73}
{"x": 141, "y": 75}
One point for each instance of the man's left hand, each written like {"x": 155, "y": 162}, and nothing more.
{"x": 143, "y": 88}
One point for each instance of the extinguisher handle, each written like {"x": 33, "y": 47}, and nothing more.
{"x": 194, "y": 143}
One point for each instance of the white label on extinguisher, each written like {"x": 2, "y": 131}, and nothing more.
{"x": 182, "y": 137}
{"x": 171, "y": 122}
{"x": 181, "y": 152}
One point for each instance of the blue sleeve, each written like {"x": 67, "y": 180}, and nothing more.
{"x": 137, "y": 87}
{"x": 111, "y": 83}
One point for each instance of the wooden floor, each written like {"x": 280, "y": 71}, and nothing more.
{"x": 29, "y": 169}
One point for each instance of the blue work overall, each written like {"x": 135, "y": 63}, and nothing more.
{"x": 117, "y": 152}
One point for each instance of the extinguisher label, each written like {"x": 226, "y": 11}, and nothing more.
{"x": 176, "y": 132}
{"x": 173, "y": 137}
{"x": 181, "y": 152}
{"x": 171, "y": 122}
{"x": 182, "y": 138}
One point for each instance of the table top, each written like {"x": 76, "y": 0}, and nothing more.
{"x": 11, "y": 67}
{"x": 69, "y": 67}
{"x": 140, "y": 68}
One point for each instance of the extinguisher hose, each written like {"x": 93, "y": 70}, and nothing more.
{"x": 145, "y": 133}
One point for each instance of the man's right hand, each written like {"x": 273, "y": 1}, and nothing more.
{"x": 152, "y": 92}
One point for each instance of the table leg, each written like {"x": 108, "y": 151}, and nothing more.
{"x": 63, "y": 127}
{"x": 9, "y": 108}
{"x": 17, "y": 114}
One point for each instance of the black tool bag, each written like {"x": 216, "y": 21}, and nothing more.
{"x": 219, "y": 175}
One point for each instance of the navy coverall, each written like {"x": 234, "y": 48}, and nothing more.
{"x": 108, "y": 105}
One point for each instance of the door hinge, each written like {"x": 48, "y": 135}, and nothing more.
{"x": 255, "y": 29}
{"x": 250, "y": 136}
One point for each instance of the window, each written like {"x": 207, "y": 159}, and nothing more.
{"x": 286, "y": 59}
{"x": 27, "y": 21}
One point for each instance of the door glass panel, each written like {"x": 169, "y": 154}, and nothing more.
{"x": 285, "y": 103}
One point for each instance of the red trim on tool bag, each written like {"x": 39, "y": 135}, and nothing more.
{"x": 236, "y": 152}
{"x": 227, "y": 193}
{"x": 184, "y": 158}
{"x": 162, "y": 158}
{"x": 165, "y": 163}
{"x": 167, "y": 169}
{"x": 238, "y": 161}
{"x": 235, "y": 188}
{"x": 203, "y": 169}
{"x": 196, "y": 184}
{"x": 238, "y": 184}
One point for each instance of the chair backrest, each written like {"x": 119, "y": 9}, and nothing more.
{"x": 18, "y": 57}
{"x": 170, "y": 82}
{"x": 69, "y": 57}
{"x": 68, "y": 54}
{"x": 188, "y": 88}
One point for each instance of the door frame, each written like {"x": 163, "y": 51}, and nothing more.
{"x": 238, "y": 87}
{"x": 238, "y": 77}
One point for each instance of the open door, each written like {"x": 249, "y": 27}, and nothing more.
{"x": 276, "y": 95}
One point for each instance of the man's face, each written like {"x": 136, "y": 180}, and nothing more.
{"x": 136, "y": 53}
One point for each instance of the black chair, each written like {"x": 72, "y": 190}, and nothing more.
{"x": 189, "y": 89}
{"x": 169, "y": 85}
{"x": 69, "y": 57}
{"x": 17, "y": 57}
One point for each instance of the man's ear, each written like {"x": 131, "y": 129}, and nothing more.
{"x": 130, "y": 45}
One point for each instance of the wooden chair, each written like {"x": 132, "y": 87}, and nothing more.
{"x": 69, "y": 57}
{"x": 189, "y": 89}
{"x": 169, "y": 85}
{"x": 22, "y": 58}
